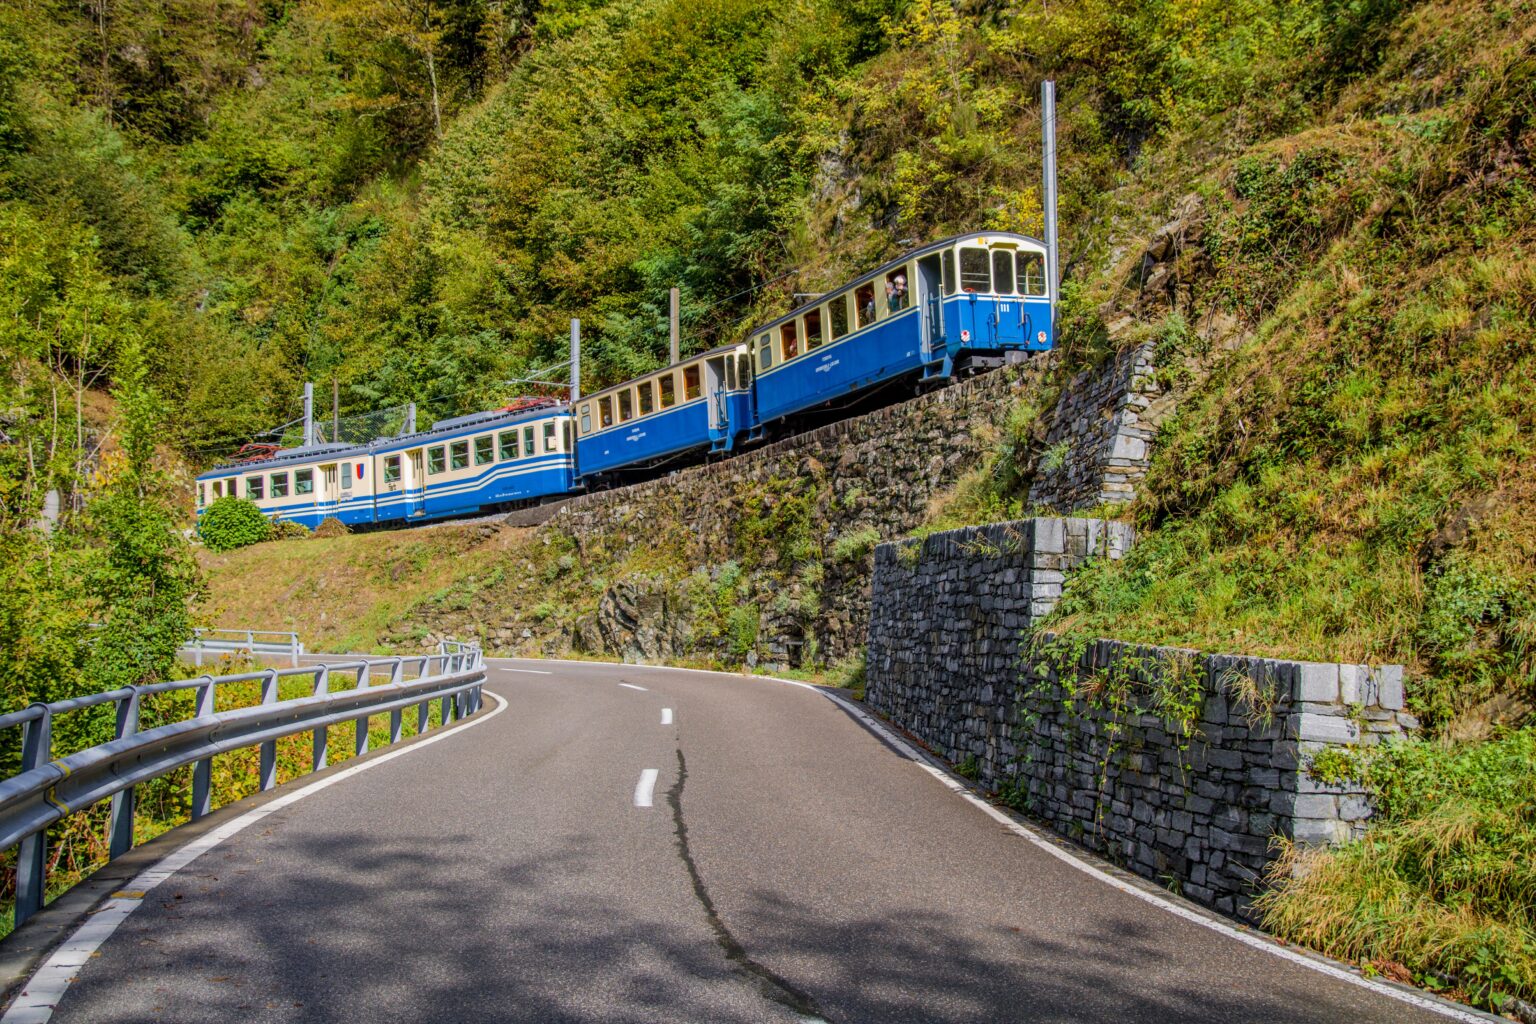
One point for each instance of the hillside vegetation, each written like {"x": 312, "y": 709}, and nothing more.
{"x": 204, "y": 203}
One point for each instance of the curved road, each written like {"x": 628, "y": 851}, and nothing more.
{"x": 791, "y": 866}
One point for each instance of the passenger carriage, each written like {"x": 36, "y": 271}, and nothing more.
{"x": 303, "y": 485}
{"x": 971, "y": 302}
{"x": 468, "y": 463}
{"x": 703, "y": 402}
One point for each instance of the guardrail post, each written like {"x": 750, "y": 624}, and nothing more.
{"x": 32, "y": 857}
{"x": 396, "y": 717}
{"x": 120, "y": 838}
{"x": 268, "y": 767}
{"x": 294, "y": 650}
{"x": 322, "y": 686}
{"x": 447, "y": 709}
{"x": 424, "y": 709}
{"x": 360, "y": 741}
{"x": 202, "y": 772}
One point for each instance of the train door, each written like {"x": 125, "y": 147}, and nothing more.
{"x": 415, "y": 487}
{"x": 330, "y": 485}
{"x": 719, "y": 377}
{"x": 1008, "y": 319}
{"x": 930, "y": 299}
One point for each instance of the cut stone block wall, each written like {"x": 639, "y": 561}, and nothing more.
{"x": 1070, "y": 736}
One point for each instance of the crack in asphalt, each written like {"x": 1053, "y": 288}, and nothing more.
{"x": 770, "y": 985}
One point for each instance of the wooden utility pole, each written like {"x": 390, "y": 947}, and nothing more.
{"x": 676, "y": 329}
{"x": 335, "y": 410}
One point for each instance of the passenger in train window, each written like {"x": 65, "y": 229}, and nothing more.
{"x": 896, "y": 291}
{"x": 605, "y": 411}
{"x": 279, "y": 482}
{"x": 484, "y": 450}
{"x": 303, "y": 481}
{"x": 436, "y": 460}
{"x": 253, "y": 488}
{"x": 506, "y": 441}
{"x": 626, "y": 406}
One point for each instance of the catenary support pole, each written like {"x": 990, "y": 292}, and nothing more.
{"x": 676, "y": 325}
{"x": 575, "y": 360}
{"x": 1048, "y": 138}
{"x": 309, "y": 415}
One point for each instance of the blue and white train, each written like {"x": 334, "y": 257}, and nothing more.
{"x": 964, "y": 304}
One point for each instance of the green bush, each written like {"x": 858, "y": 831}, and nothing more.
{"x": 231, "y": 523}
{"x": 851, "y": 547}
{"x": 1444, "y": 885}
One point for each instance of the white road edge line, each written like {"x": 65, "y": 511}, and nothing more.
{"x": 40, "y": 996}
{"x": 645, "y": 789}
{"x": 1266, "y": 944}
{"x": 632, "y": 686}
{"x": 529, "y": 671}
{"x": 666, "y": 716}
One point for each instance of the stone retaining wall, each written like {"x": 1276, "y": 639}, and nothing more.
{"x": 1071, "y": 735}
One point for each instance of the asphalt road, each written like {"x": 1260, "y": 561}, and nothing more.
{"x": 791, "y": 867}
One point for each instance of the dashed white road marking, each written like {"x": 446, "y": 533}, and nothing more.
{"x": 645, "y": 789}
{"x": 36, "y": 1002}
{"x": 666, "y": 716}
{"x": 632, "y": 686}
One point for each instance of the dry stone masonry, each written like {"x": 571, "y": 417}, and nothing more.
{"x": 1069, "y": 735}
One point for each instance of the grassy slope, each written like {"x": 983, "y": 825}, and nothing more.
{"x": 340, "y": 593}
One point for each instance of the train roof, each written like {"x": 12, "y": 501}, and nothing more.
{"x": 469, "y": 423}
{"x": 284, "y": 459}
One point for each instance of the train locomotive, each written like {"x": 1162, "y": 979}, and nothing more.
{"x": 961, "y": 305}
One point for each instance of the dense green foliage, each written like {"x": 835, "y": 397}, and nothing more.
{"x": 231, "y": 522}
{"x": 1444, "y": 886}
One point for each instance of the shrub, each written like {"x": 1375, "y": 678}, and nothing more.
{"x": 287, "y": 529}
{"x": 330, "y": 526}
{"x": 1444, "y": 885}
{"x": 851, "y": 547}
{"x": 231, "y": 523}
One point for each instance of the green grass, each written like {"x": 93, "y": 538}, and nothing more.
{"x": 1442, "y": 891}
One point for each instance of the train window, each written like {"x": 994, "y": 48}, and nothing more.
{"x": 279, "y": 482}
{"x": 392, "y": 469}
{"x": 218, "y": 490}
{"x": 458, "y": 454}
{"x": 567, "y": 433}
{"x": 691, "y": 382}
{"x": 1002, "y": 271}
{"x": 549, "y": 436}
{"x": 1031, "y": 273}
{"x": 303, "y": 481}
{"x": 947, "y": 269}
{"x": 764, "y": 352}
{"x": 485, "y": 450}
{"x": 975, "y": 270}
{"x": 837, "y": 312}
{"x": 813, "y": 337}
{"x": 864, "y": 303}
{"x": 897, "y": 295}
{"x": 506, "y": 441}
{"x": 626, "y": 405}
{"x": 730, "y": 374}
{"x": 744, "y": 370}
{"x": 789, "y": 340}
{"x": 202, "y": 495}
{"x": 528, "y": 441}
{"x": 346, "y": 476}
{"x": 586, "y": 418}
{"x": 647, "y": 397}
{"x": 605, "y": 412}
{"x": 436, "y": 460}
{"x": 668, "y": 390}
{"x": 253, "y": 488}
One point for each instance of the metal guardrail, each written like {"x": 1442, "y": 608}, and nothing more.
{"x": 47, "y": 789}
{"x": 255, "y": 641}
